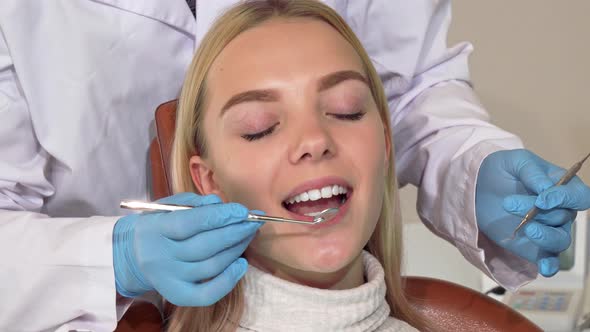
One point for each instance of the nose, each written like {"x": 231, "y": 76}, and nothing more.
{"x": 314, "y": 142}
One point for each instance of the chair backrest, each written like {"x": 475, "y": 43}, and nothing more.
{"x": 451, "y": 307}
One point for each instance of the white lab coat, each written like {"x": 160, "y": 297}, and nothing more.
{"x": 79, "y": 82}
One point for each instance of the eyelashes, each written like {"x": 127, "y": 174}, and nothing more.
{"x": 345, "y": 117}
{"x": 350, "y": 117}
{"x": 261, "y": 134}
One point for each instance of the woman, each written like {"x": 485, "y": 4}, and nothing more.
{"x": 282, "y": 111}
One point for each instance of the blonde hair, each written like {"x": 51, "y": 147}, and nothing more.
{"x": 385, "y": 243}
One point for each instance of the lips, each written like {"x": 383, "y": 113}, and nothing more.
{"x": 311, "y": 197}
{"x": 311, "y": 208}
{"x": 336, "y": 219}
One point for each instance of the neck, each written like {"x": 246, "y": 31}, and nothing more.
{"x": 350, "y": 276}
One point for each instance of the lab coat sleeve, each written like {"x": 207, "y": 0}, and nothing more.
{"x": 441, "y": 131}
{"x": 55, "y": 273}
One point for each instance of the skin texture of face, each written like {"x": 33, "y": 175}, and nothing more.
{"x": 298, "y": 129}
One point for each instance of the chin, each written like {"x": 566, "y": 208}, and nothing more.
{"x": 328, "y": 259}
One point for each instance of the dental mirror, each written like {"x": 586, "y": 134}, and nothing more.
{"x": 325, "y": 215}
{"x": 320, "y": 217}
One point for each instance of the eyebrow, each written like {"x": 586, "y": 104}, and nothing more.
{"x": 333, "y": 79}
{"x": 270, "y": 95}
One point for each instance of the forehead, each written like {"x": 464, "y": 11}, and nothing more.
{"x": 282, "y": 51}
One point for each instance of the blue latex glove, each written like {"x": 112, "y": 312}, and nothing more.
{"x": 509, "y": 183}
{"x": 191, "y": 257}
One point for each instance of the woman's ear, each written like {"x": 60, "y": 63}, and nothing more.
{"x": 202, "y": 175}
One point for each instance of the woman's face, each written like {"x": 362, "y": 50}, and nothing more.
{"x": 291, "y": 128}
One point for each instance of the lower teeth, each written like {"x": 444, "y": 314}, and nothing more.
{"x": 313, "y": 214}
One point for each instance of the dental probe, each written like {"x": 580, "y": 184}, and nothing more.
{"x": 151, "y": 206}
{"x": 564, "y": 179}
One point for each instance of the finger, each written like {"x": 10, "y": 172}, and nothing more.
{"x": 555, "y": 174}
{"x": 190, "y": 199}
{"x": 181, "y": 225}
{"x": 258, "y": 212}
{"x": 188, "y": 294}
{"x": 548, "y": 266}
{"x": 211, "y": 267}
{"x": 548, "y": 238}
{"x": 533, "y": 175}
{"x": 573, "y": 195}
{"x": 209, "y": 243}
{"x": 520, "y": 205}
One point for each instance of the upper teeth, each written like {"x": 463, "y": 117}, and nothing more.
{"x": 315, "y": 194}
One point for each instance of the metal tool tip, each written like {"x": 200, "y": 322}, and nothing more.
{"x": 325, "y": 215}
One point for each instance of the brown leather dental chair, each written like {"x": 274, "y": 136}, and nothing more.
{"x": 449, "y": 306}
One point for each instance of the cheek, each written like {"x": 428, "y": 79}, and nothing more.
{"x": 367, "y": 149}
{"x": 241, "y": 178}
{"x": 376, "y": 160}
{"x": 368, "y": 153}
{"x": 379, "y": 168}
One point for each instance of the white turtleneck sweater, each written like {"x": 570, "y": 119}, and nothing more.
{"x": 273, "y": 304}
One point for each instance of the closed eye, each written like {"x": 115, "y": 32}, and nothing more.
{"x": 349, "y": 117}
{"x": 261, "y": 134}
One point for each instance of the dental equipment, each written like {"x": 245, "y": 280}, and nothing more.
{"x": 564, "y": 179}
{"x": 322, "y": 216}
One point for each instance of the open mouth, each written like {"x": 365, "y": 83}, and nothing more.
{"x": 311, "y": 202}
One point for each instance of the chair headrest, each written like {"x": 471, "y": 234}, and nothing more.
{"x": 165, "y": 127}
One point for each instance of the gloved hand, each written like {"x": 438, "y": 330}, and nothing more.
{"x": 509, "y": 183}
{"x": 191, "y": 257}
